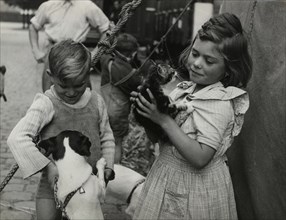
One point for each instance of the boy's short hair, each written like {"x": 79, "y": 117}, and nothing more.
{"x": 69, "y": 59}
{"x": 126, "y": 44}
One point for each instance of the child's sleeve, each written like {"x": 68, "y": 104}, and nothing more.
{"x": 96, "y": 17}
{"x": 40, "y": 18}
{"x": 212, "y": 119}
{"x": 106, "y": 134}
{"x": 20, "y": 140}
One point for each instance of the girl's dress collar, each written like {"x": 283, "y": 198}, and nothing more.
{"x": 214, "y": 91}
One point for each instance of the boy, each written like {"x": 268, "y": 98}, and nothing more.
{"x": 67, "y": 105}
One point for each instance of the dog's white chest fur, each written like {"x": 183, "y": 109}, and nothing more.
{"x": 86, "y": 205}
{"x": 73, "y": 172}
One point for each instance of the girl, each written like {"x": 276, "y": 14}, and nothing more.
{"x": 190, "y": 179}
{"x": 67, "y": 105}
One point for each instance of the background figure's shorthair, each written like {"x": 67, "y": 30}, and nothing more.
{"x": 226, "y": 31}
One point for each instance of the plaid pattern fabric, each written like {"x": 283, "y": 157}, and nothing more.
{"x": 175, "y": 190}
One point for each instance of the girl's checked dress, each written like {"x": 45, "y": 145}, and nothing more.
{"x": 176, "y": 190}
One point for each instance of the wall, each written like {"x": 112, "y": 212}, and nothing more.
{"x": 258, "y": 157}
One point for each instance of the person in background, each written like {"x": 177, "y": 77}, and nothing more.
{"x": 61, "y": 20}
{"x": 118, "y": 78}
{"x": 68, "y": 105}
{"x": 116, "y": 9}
{"x": 190, "y": 179}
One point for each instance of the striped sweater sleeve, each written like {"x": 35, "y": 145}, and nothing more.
{"x": 28, "y": 157}
{"x": 106, "y": 134}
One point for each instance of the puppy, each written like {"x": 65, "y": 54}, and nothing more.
{"x": 157, "y": 76}
{"x": 125, "y": 188}
{"x": 69, "y": 149}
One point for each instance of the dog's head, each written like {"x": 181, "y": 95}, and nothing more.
{"x": 57, "y": 145}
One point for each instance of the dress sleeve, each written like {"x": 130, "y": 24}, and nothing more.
{"x": 40, "y": 18}
{"x": 240, "y": 106}
{"x": 106, "y": 134}
{"x": 211, "y": 120}
{"x": 20, "y": 140}
{"x": 96, "y": 17}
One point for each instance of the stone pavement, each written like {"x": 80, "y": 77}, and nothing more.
{"x": 22, "y": 82}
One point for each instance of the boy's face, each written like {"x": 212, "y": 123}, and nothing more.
{"x": 71, "y": 90}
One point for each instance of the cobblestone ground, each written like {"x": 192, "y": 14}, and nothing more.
{"x": 22, "y": 82}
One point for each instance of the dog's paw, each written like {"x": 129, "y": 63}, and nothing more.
{"x": 100, "y": 165}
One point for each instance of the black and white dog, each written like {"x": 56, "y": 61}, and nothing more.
{"x": 69, "y": 149}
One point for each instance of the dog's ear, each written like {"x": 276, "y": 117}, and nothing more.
{"x": 48, "y": 145}
{"x": 79, "y": 143}
{"x": 86, "y": 146}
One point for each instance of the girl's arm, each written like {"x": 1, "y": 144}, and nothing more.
{"x": 196, "y": 153}
{"x": 20, "y": 140}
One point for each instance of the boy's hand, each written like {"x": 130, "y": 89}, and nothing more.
{"x": 109, "y": 174}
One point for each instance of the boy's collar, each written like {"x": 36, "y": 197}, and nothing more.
{"x": 84, "y": 99}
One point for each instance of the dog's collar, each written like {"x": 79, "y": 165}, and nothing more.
{"x": 132, "y": 191}
{"x": 63, "y": 205}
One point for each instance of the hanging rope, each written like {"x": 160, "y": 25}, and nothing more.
{"x": 9, "y": 176}
{"x": 15, "y": 167}
{"x": 108, "y": 44}
{"x": 163, "y": 38}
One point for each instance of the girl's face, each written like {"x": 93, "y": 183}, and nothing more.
{"x": 71, "y": 90}
{"x": 205, "y": 64}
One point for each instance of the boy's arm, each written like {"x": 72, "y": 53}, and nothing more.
{"x": 106, "y": 135}
{"x": 20, "y": 140}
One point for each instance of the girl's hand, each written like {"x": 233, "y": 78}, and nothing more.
{"x": 133, "y": 96}
{"x": 149, "y": 109}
